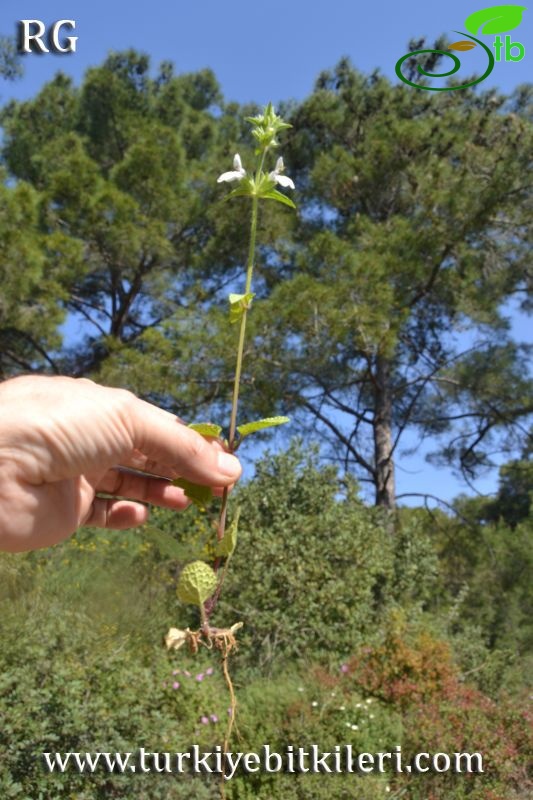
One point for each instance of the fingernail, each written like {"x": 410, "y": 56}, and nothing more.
{"x": 229, "y": 465}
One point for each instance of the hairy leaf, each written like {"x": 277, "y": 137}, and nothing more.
{"x": 199, "y": 495}
{"x": 252, "y": 427}
{"x": 196, "y": 583}
{"x": 244, "y": 190}
{"x": 273, "y": 194}
{"x": 206, "y": 428}
{"x": 238, "y": 303}
{"x": 227, "y": 544}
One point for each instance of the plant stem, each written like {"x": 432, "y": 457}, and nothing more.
{"x": 240, "y": 348}
{"x": 240, "y": 353}
{"x": 210, "y": 605}
{"x": 204, "y": 620}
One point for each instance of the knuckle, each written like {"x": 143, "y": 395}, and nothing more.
{"x": 125, "y": 396}
{"x": 123, "y": 402}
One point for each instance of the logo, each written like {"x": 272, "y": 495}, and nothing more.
{"x": 488, "y": 21}
{"x": 32, "y": 31}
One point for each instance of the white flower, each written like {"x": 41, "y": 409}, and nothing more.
{"x": 277, "y": 177}
{"x": 342, "y": 708}
{"x": 314, "y": 703}
{"x": 237, "y": 174}
{"x": 355, "y": 727}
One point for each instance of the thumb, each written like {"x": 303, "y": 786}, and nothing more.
{"x": 162, "y": 437}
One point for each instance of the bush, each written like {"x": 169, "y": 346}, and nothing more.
{"x": 316, "y": 572}
{"x": 75, "y": 676}
{"x": 320, "y": 582}
{"x": 413, "y": 673}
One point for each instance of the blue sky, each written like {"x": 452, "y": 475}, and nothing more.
{"x": 261, "y": 52}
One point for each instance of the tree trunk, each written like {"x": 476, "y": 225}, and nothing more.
{"x": 383, "y": 456}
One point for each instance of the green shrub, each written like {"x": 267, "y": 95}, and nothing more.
{"x": 316, "y": 572}
{"x": 319, "y": 581}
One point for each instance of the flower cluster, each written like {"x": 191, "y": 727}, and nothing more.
{"x": 261, "y": 184}
{"x": 238, "y": 173}
{"x": 266, "y": 126}
{"x": 199, "y": 677}
{"x": 205, "y": 720}
{"x": 360, "y": 711}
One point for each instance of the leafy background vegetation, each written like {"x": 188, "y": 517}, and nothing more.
{"x": 380, "y": 311}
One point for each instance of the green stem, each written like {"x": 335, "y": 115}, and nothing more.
{"x": 261, "y": 164}
{"x": 238, "y": 370}
{"x": 242, "y": 332}
{"x": 237, "y": 380}
{"x": 247, "y": 289}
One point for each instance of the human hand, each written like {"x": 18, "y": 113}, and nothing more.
{"x": 61, "y": 440}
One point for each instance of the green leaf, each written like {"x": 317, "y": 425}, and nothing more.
{"x": 260, "y": 424}
{"x": 264, "y": 184}
{"x": 495, "y": 19}
{"x": 196, "y": 583}
{"x": 200, "y": 495}
{"x": 206, "y": 428}
{"x": 268, "y": 118}
{"x": 246, "y": 188}
{"x": 238, "y": 303}
{"x": 226, "y": 546}
{"x": 273, "y": 194}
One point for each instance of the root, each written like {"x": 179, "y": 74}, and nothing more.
{"x": 231, "y": 720}
{"x": 222, "y": 639}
